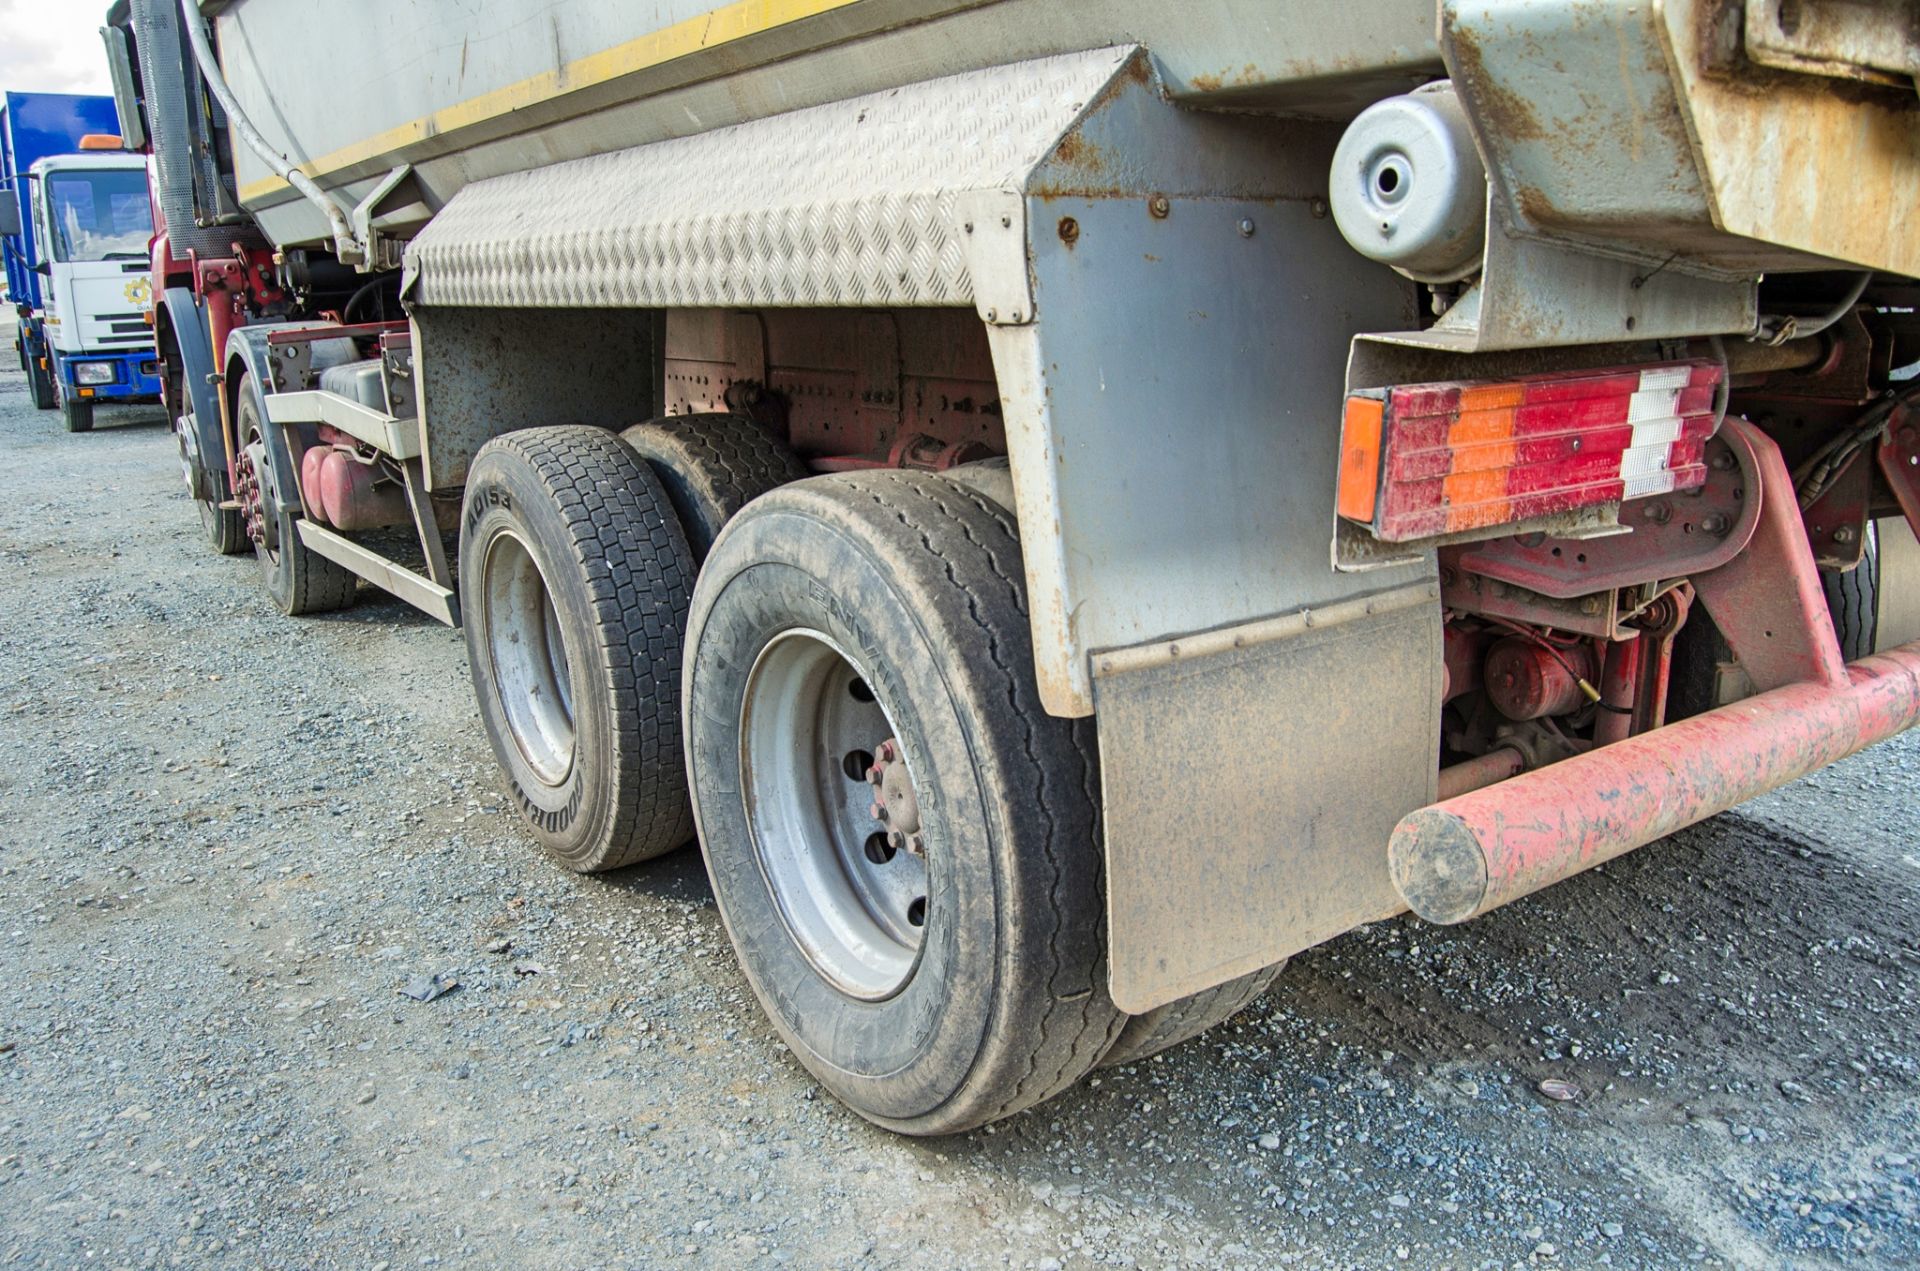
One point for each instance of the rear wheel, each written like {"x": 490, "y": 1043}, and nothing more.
{"x": 712, "y": 466}
{"x": 902, "y": 842}
{"x": 575, "y": 582}
{"x": 1167, "y": 1026}
{"x": 299, "y": 579}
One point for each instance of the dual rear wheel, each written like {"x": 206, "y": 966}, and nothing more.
{"x": 834, "y": 678}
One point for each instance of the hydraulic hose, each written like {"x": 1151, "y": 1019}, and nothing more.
{"x": 345, "y": 245}
{"x": 1778, "y": 329}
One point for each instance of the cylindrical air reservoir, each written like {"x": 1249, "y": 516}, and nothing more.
{"x": 1408, "y": 188}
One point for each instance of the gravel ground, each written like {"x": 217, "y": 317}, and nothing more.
{"x": 231, "y": 838}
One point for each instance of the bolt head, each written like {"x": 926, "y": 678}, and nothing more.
{"x": 879, "y": 810}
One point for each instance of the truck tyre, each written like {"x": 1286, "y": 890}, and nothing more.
{"x": 225, "y": 530}
{"x": 575, "y": 582}
{"x": 1166, "y": 1027}
{"x": 299, "y": 579}
{"x": 712, "y": 466}
{"x": 77, "y": 412}
{"x": 902, "y": 842}
{"x": 1853, "y": 598}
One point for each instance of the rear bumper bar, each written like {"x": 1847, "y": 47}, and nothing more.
{"x": 1459, "y": 858}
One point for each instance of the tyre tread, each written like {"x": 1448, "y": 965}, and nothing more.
{"x": 639, "y": 584}
{"x": 1076, "y": 1025}
{"x": 1148, "y": 1034}
{"x": 712, "y": 465}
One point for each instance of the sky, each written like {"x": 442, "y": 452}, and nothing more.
{"x": 52, "y": 46}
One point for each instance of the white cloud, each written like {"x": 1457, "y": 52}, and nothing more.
{"x": 53, "y": 46}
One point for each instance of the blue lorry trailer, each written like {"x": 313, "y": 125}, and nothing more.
{"x": 74, "y": 228}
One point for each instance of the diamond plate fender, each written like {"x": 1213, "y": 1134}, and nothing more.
{"x": 852, "y": 203}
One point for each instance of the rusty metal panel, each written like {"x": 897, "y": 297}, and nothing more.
{"x": 484, "y": 372}
{"x": 1847, "y": 39}
{"x": 1791, "y": 160}
{"x": 1638, "y": 129}
{"x": 1251, "y": 778}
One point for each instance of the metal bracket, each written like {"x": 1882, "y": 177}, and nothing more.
{"x": 1536, "y": 293}
{"x": 1767, "y": 601}
{"x": 377, "y": 247}
{"x": 993, "y": 238}
{"x": 398, "y": 438}
{"x": 1672, "y": 535}
{"x": 422, "y": 593}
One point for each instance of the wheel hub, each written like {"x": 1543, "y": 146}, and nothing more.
{"x": 836, "y": 825}
{"x": 253, "y": 501}
{"x": 894, "y": 805}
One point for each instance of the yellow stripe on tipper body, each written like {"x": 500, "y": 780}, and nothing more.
{"x": 704, "y": 31}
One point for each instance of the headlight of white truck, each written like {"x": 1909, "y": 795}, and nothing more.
{"x": 93, "y": 372}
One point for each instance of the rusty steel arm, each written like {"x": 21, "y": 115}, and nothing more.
{"x": 1462, "y": 857}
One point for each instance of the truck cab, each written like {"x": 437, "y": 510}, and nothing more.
{"x": 92, "y": 222}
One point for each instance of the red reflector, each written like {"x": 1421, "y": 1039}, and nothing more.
{"x": 1463, "y": 456}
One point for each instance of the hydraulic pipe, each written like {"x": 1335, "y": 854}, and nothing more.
{"x": 345, "y": 245}
{"x": 1459, "y": 858}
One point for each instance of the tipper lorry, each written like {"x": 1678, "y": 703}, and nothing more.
{"x": 74, "y": 225}
{"x": 1070, "y": 504}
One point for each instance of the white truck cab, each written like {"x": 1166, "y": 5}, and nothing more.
{"x": 93, "y": 220}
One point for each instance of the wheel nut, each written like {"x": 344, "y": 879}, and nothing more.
{"x": 879, "y": 811}
{"x": 916, "y": 845}
{"x": 897, "y": 841}
{"x": 875, "y": 774}
{"x": 886, "y": 751}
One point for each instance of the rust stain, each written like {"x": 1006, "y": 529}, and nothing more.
{"x": 1076, "y": 150}
{"x": 1505, "y": 113}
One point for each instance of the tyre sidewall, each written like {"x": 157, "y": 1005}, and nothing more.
{"x": 901, "y": 1058}
{"x": 570, "y": 818}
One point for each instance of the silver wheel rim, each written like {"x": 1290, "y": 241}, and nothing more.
{"x": 855, "y": 904}
{"x": 529, "y": 657}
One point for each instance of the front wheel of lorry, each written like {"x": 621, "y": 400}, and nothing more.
{"x": 902, "y": 842}
{"x": 39, "y": 381}
{"x": 225, "y": 530}
{"x": 299, "y": 579}
{"x": 574, "y": 584}
{"x": 77, "y": 412}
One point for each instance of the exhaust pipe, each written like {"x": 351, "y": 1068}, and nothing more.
{"x": 1459, "y": 858}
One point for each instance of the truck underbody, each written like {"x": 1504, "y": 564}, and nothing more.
{"x": 1076, "y": 510}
